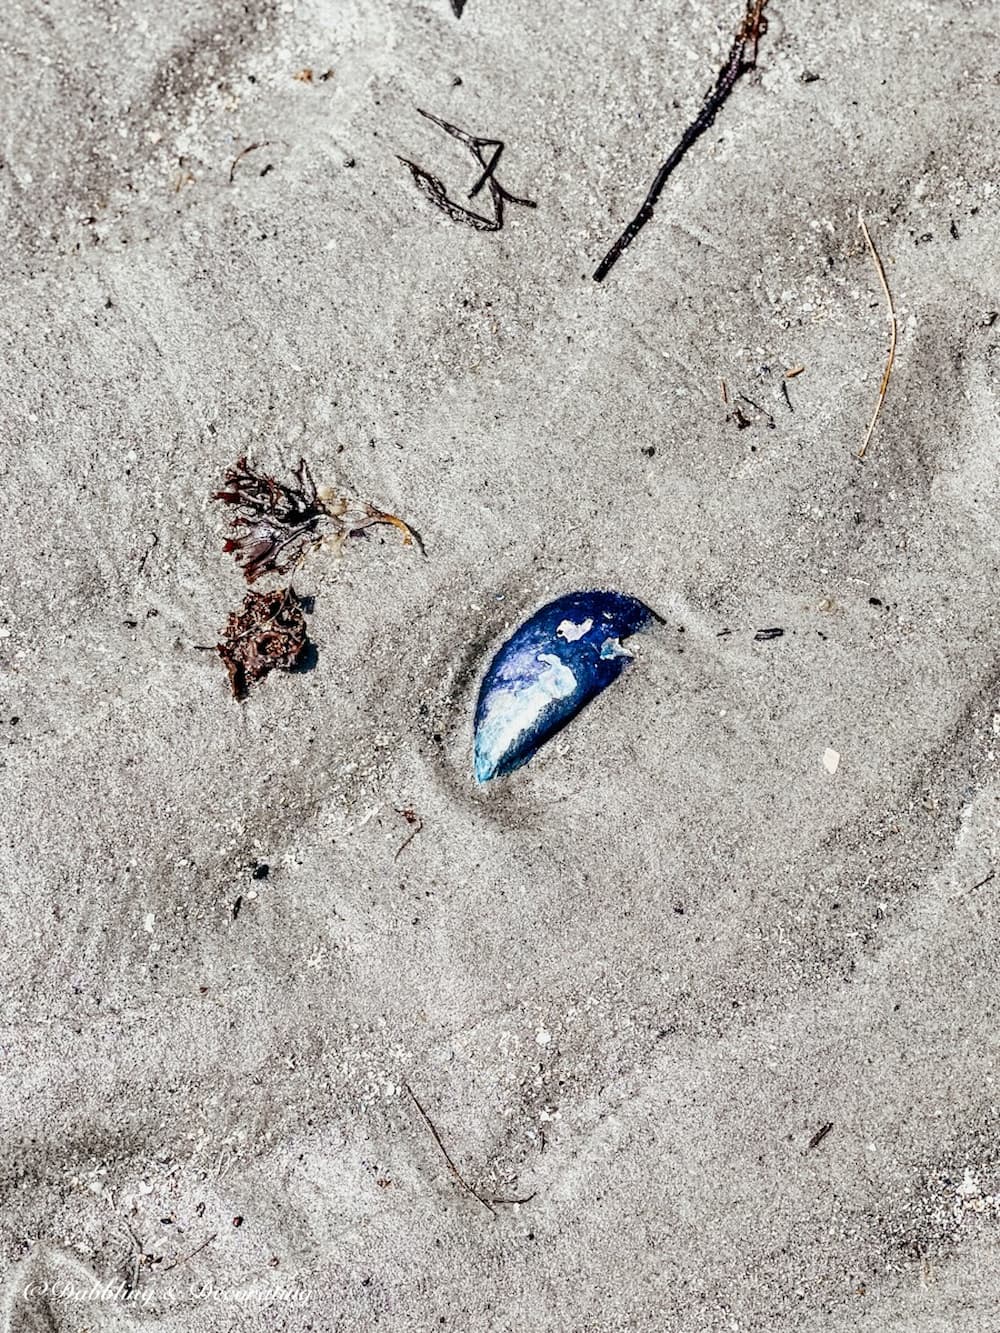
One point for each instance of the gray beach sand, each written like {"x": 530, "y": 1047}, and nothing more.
{"x": 638, "y": 979}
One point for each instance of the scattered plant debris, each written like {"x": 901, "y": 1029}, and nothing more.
{"x": 742, "y": 57}
{"x": 764, "y": 635}
{"x": 488, "y": 1203}
{"x": 892, "y": 334}
{"x": 183, "y": 1259}
{"x": 250, "y": 148}
{"x": 739, "y": 417}
{"x": 303, "y": 76}
{"x": 795, "y": 370}
{"x": 434, "y": 189}
{"x": 154, "y": 541}
{"x": 761, "y": 410}
{"x": 279, "y": 524}
{"x": 820, "y": 1135}
{"x": 416, "y": 823}
{"x": 276, "y": 525}
{"x": 268, "y": 634}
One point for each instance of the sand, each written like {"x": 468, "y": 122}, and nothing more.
{"x": 637, "y": 979}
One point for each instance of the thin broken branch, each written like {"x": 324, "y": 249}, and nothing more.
{"x": 250, "y": 148}
{"x": 480, "y": 1198}
{"x": 416, "y": 824}
{"x": 742, "y": 57}
{"x": 183, "y": 1259}
{"x": 876, "y": 260}
{"x": 434, "y": 189}
{"x": 820, "y": 1135}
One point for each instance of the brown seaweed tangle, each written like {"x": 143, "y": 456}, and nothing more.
{"x": 278, "y": 524}
{"x": 268, "y": 634}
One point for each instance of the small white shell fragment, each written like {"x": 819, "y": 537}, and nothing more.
{"x": 831, "y": 760}
{"x": 567, "y": 630}
{"x": 542, "y": 1037}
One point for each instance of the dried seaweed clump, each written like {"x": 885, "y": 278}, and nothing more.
{"x": 279, "y": 524}
{"x": 275, "y": 527}
{"x": 268, "y": 634}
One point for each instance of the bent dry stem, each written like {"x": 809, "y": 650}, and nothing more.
{"x": 480, "y": 1198}
{"x": 893, "y": 331}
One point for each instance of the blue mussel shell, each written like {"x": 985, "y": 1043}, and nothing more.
{"x": 547, "y": 670}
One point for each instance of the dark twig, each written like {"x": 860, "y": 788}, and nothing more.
{"x": 487, "y": 1203}
{"x": 820, "y": 1135}
{"x": 153, "y": 543}
{"x": 742, "y": 57}
{"x": 985, "y": 880}
{"x": 447, "y": 1156}
{"x": 250, "y": 148}
{"x": 417, "y": 824}
{"x": 477, "y": 148}
{"x": 762, "y": 410}
{"x": 434, "y": 189}
{"x": 176, "y": 1263}
{"x": 488, "y": 169}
